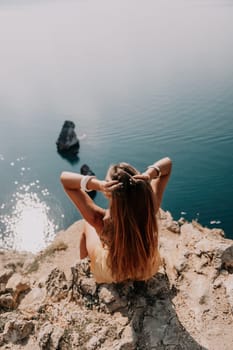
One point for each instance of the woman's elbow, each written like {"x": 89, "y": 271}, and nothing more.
{"x": 169, "y": 161}
{"x": 63, "y": 178}
{"x": 169, "y": 164}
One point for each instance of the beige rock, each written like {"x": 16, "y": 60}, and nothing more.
{"x": 119, "y": 318}
{"x": 56, "y": 285}
{"x": 87, "y": 286}
{"x": 1, "y": 340}
{"x": 217, "y": 232}
{"x": 44, "y": 336}
{"x": 182, "y": 221}
{"x": 228, "y": 284}
{"x": 109, "y": 296}
{"x": 123, "y": 344}
{"x": 93, "y": 343}
{"x": 56, "y": 337}
{"x": 208, "y": 245}
{"x": 174, "y": 227}
{"x": 227, "y": 258}
{"x": 33, "y": 300}
{"x": 19, "y": 284}
{"x": 5, "y": 274}
{"x": 49, "y": 336}
{"x": 17, "y": 330}
{"x": 128, "y": 334}
{"x": 7, "y": 302}
{"x": 167, "y": 221}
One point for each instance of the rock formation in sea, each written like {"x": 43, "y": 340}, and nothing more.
{"x": 86, "y": 170}
{"x": 51, "y": 301}
{"x": 68, "y": 143}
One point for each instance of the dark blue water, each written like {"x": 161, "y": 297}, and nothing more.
{"x": 140, "y": 80}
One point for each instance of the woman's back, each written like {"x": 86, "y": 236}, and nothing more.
{"x": 124, "y": 245}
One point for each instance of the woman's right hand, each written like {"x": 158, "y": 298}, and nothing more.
{"x": 144, "y": 177}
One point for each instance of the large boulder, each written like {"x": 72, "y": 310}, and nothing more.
{"x": 67, "y": 139}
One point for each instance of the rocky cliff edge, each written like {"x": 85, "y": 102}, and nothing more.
{"x": 50, "y": 300}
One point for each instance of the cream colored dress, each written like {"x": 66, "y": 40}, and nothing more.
{"x": 103, "y": 274}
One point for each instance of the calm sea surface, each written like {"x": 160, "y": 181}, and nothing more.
{"x": 140, "y": 79}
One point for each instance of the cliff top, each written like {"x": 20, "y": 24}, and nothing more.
{"x": 51, "y": 301}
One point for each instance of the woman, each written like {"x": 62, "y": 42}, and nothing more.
{"x": 122, "y": 241}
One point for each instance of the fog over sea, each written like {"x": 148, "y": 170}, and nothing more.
{"x": 140, "y": 79}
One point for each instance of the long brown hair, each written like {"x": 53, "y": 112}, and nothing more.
{"x": 134, "y": 233}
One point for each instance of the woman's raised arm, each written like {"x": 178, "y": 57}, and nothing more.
{"x": 75, "y": 186}
{"x": 159, "y": 174}
{"x": 91, "y": 212}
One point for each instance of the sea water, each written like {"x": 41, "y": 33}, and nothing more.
{"x": 141, "y": 80}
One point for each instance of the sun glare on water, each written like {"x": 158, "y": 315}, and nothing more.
{"x": 30, "y": 216}
{"x": 28, "y": 227}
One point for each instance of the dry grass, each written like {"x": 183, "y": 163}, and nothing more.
{"x": 49, "y": 251}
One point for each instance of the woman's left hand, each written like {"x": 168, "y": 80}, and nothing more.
{"x": 107, "y": 187}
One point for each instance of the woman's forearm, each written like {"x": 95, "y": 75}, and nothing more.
{"x": 72, "y": 181}
{"x": 161, "y": 167}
